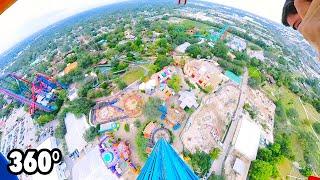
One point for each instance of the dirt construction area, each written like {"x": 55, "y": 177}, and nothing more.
{"x": 207, "y": 125}
{"x": 265, "y": 111}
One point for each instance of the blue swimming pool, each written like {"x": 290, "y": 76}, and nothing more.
{"x": 233, "y": 77}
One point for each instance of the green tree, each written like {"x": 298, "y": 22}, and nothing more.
{"x": 175, "y": 83}
{"x": 260, "y": 170}
{"x": 280, "y": 111}
{"x": 265, "y": 154}
{"x": 80, "y": 106}
{"x": 91, "y": 134}
{"x": 220, "y": 50}
{"x": 208, "y": 89}
{"x": 137, "y": 123}
{"x": 292, "y": 113}
{"x": 306, "y": 171}
{"x": 216, "y": 177}
{"x": 44, "y": 119}
{"x": 141, "y": 143}
{"x": 316, "y": 127}
{"x": 126, "y": 127}
{"x": 214, "y": 153}
{"x": 194, "y": 50}
{"x": 60, "y": 131}
{"x": 121, "y": 84}
{"x": 162, "y": 61}
{"x": 151, "y": 108}
{"x": 200, "y": 162}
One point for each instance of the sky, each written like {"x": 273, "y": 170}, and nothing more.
{"x": 26, "y": 17}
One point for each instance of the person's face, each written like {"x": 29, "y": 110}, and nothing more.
{"x": 294, "y": 20}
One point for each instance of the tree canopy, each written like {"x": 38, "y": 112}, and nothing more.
{"x": 260, "y": 170}
{"x": 91, "y": 134}
{"x": 151, "y": 108}
{"x": 175, "y": 83}
{"x": 80, "y": 106}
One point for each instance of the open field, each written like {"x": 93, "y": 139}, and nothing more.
{"x": 305, "y": 111}
{"x": 133, "y": 75}
{"x": 292, "y": 101}
{"x": 286, "y": 168}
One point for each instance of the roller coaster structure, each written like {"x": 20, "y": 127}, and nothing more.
{"x": 214, "y": 38}
{"x": 37, "y": 94}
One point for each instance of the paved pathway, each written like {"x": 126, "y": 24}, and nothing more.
{"x": 217, "y": 165}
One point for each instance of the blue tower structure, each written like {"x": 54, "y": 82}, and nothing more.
{"x": 164, "y": 163}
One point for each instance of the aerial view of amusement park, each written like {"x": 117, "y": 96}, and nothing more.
{"x": 162, "y": 90}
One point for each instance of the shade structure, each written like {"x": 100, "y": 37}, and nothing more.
{"x": 164, "y": 163}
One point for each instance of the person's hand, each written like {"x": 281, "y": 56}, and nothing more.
{"x": 309, "y": 11}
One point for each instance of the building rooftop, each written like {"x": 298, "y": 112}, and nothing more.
{"x": 91, "y": 166}
{"x": 188, "y": 99}
{"x": 248, "y": 138}
{"x": 240, "y": 167}
{"x": 76, "y": 127}
{"x": 182, "y": 48}
{"x": 55, "y": 174}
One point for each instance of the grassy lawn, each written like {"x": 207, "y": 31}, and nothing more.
{"x": 133, "y": 75}
{"x": 291, "y": 100}
{"x": 254, "y": 72}
{"x": 286, "y": 168}
{"x": 199, "y": 25}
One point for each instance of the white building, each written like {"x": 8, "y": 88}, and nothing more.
{"x": 248, "y": 139}
{"x": 256, "y": 54}
{"x": 59, "y": 171}
{"x": 76, "y": 127}
{"x": 237, "y": 44}
{"x": 91, "y": 166}
{"x": 246, "y": 144}
{"x": 182, "y": 48}
{"x": 187, "y": 99}
{"x": 148, "y": 86}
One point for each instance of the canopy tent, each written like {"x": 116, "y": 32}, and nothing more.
{"x": 165, "y": 163}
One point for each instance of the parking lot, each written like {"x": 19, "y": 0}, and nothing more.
{"x": 19, "y": 132}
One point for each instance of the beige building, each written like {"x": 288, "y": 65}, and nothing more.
{"x": 203, "y": 73}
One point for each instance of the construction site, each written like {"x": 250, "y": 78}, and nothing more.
{"x": 209, "y": 124}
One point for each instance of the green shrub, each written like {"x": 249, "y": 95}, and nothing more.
{"x": 316, "y": 127}
{"x": 126, "y": 127}
{"x": 306, "y": 171}
{"x": 44, "y": 119}
{"x": 214, "y": 153}
{"x": 200, "y": 162}
{"x": 137, "y": 123}
{"x": 91, "y": 134}
{"x": 175, "y": 83}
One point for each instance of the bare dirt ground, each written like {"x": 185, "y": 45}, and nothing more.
{"x": 265, "y": 110}
{"x": 208, "y": 123}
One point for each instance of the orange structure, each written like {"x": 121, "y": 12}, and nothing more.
{"x": 133, "y": 104}
{"x": 148, "y": 130}
{"x": 70, "y": 67}
{"x": 5, "y": 4}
